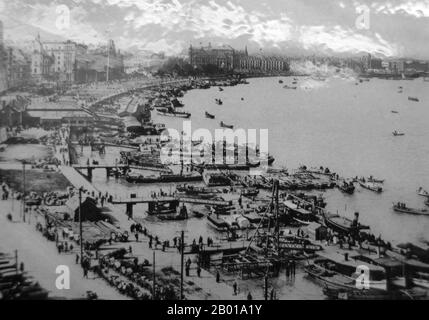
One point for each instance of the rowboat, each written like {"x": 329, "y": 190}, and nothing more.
{"x": 402, "y": 207}
{"x": 422, "y": 192}
{"x": 397, "y": 133}
{"x": 347, "y": 187}
{"x": 210, "y": 116}
{"x": 394, "y": 111}
{"x": 371, "y": 186}
{"x": 224, "y": 125}
{"x": 173, "y": 113}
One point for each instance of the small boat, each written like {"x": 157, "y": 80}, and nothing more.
{"x": 224, "y": 125}
{"x": 422, "y": 192}
{"x": 347, "y": 187}
{"x": 280, "y": 81}
{"x": 413, "y": 99}
{"x": 402, "y": 207}
{"x": 173, "y": 113}
{"x": 217, "y": 223}
{"x": 218, "y": 101}
{"x": 394, "y": 111}
{"x": 371, "y": 186}
{"x": 289, "y": 87}
{"x": 375, "y": 180}
{"x": 250, "y": 192}
{"x": 209, "y": 116}
{"x": 220, "y": 89}
{"x": 397, "y": 133}
{"x": 342, "y": 224}
{"x": 176, "y": 103}
{"x": 198, "y": 214}
{"x": 197, "y": 142}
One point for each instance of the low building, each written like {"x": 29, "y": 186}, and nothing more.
{"x": 54, "y": 114}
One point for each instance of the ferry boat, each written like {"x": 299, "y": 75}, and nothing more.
{"x": 370, "y": 186}
{"x": 342, "y": 224}
{"x": 402, "y": 207}
{"x": 224, "y": 125}
{"x": 209, "y": 116}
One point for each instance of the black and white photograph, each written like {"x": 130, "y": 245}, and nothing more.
{"x": 187, "y": 151}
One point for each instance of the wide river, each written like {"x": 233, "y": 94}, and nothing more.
{"x": 341, "y": 125}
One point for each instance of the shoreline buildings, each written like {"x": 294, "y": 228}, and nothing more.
{"x": 227, "y": 59}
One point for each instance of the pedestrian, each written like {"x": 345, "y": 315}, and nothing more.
{"x": 199, "y": 271}
{"x": 217, "y": 276}
{"x": 136, "y": 235}
{"x": 85, "y": 272}
{"x": 77, "y": 259}
{"x": 235, "y": 287}
{"x": 187, "y": 271}
{"x": 150, "y": 244}
{"x": 249, "y": 296}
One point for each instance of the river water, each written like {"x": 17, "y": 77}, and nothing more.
{"x": 341, "y": 125}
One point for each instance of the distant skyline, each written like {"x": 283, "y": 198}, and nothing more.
{"x": 398, "y": 28}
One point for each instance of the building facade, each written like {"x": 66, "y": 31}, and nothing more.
{"x": 41, "y": 62}
{"x": 18, "y": 68}
{"x": 65, "y": 56}
{"x": 227, "y": 59}
{"x": 221, "y": 57}
{"x": 3, "y": 79}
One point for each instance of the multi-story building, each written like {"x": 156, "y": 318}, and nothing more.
{"x": 221, "y": 57}
{"x": 18, "y": 67}
{"x": 65, "y": 55}
{"x": 262, "y": 64}
{"x": 41, "y": 62}
{"x": 227, "y": 59}
{"x": 3, "y": 80}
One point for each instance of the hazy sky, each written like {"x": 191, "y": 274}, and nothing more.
{"x": 394, "y": 28}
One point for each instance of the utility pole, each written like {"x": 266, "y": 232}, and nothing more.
{"x": 23, "y": 196}
{"x": 153, "y": 289}
{"x": 182, "y": 247}
{"x": 108, "y": 60}
{"x": 266, "y": 287}
{"x": 276, "y": 186}
{"x": 16, "y": 261}
{"x": 80, "y": 226}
